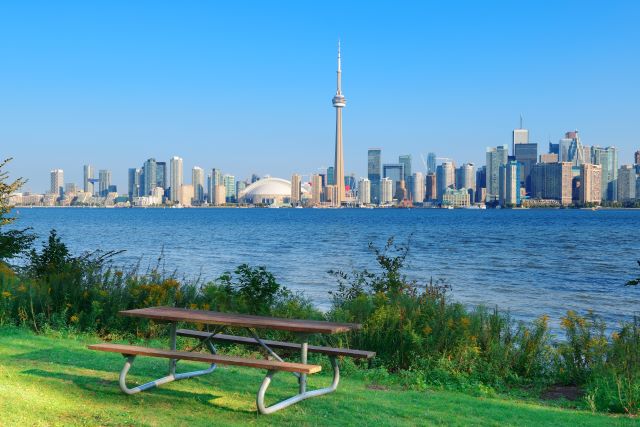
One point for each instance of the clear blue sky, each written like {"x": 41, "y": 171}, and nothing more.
{"x": 247, "y": 86}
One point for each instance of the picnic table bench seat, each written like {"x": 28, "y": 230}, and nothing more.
{"x": 234, "y": 339}
{"x": 270, "y": 365}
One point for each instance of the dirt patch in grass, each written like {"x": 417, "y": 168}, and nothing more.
{"x": 568, "y": 392}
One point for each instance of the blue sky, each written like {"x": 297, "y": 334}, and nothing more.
{"x": 247, "y": 86}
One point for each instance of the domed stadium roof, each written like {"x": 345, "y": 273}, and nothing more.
{"x": 271, "y": 187}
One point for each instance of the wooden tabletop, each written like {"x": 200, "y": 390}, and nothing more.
{"x": 174, "y": 314}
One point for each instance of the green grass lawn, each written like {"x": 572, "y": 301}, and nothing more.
{"x": 54, "y": 380}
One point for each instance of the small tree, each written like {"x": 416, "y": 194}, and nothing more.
{"x": 12, "y": 242}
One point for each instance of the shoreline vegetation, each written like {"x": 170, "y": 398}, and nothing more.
{"x": 424, "y": 340}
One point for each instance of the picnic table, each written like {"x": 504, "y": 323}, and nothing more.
{"x": 219, "y": 322}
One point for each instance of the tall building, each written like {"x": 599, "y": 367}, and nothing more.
{"x": 637, "y": 157}
{"x": 509, "y": 176}
{"x": 554, "y": 149}
{"x": 590, "y": 183}
{"x": 316, "y": 189}
{"x": 386, "y": 190}
{"x": 161, "y": 175}
{"x": 133, "y": 183}
{"x": 626, "y": 183}
{"x": 527, "y": 155}
{"x": 466, "y": 178}
{"x": 176, "y": 180}
{"x": 552, "y": 181}
{"x": 331, "y": 175}
{"x": 481, "y": 184}
{"x": 240, "y": 186}
{"x": 405, "y": 160}
{"x": 104, "y": 182}
{"x": 57, "y": 182}
{"x": 364, "y": 191}
{"x": 149, "y": 171}
{"x": 197, "y": 180}
{"x": 185, "y": 195}
{"x": 87, "y": 177}
{"x": 608, "y": 159}
{"x": 519, "y": 136}
{"x": 431, "y": 189}
{"x": 339, "y": 102}
{"x": 417, "y": 187}
{"x": 229, "y": 182}
{"x": 374, "y": 173}
{"x": 445, "y": 177}
{"x": 496, "y": 157}
{"x": 431, "y": 163}
{"x": 296, "y": 189}
{"x": 214, "y": 180}
{"x": 395, "y": 172}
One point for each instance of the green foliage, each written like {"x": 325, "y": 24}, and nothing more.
{"x": 13, "y": 243}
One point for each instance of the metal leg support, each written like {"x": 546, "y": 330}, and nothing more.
{"x": 299, "y": 397}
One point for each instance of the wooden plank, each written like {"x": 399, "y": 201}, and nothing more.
{"x": 208, "y": 358}
{"x": 330, "y": 351}
{"x": 175, "y": 314}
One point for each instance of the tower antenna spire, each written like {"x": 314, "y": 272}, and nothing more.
{"x": 521, "y": 121}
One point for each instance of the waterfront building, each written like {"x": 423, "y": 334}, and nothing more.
{"x": 214, "y": 180}
{"x": 386, "y": 190}
{"x": 431, "y": 163}
{"x": 197, "y": 180}
{"x": 229, "y": 182}
{"x": 271, "y": 191}
{"x": 590, "y": 183}
{"x": 296, "y": 189}
{"x": 219, "y": 195}
{"x": 405, "y": 160}
{"x": 331, "y": 195}
{"x": 395, "y": 172}
{"x": 466, "y": 178}
{"x": 608, "y": 159}
{"x": 339, "y": 102}
{"x": 186, "y": 195}
{"x": 456, "y": 198}
{"x": 149, "y": 170}
{"x": 176, "y": 180}
{"x": 481, "y": 184}
{"x": 527, "y": 155}
{"x": 316, "y": 189}
{"x": 496, "y": 157}
{"x": 431, "y": 189}
{"x": 549, "y": 158}
{"x": 104, "y": 182}
{"x": 374, "y": 173}
{"x": 445, "y": 177}
{"x": 626, "y": 183}
{"x": 161, "y": 175}
{"x": 56, "y": 186}
{"x": 331, "y": 176}
{"x": 364, "y": 191}
{"x": 133, "y": 181}
{"x": 418, "y": 187}
{"x": 87, "y": 179}
{"x": 552, "y": 181}
{"x": 509, "y": 176}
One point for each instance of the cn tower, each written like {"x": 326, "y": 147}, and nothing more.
{"x": 339, "y": 102}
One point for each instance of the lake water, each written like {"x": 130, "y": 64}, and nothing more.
{"x": 530, "y": 262}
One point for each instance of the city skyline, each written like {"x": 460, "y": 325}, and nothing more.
{"x": 418, "y": 80}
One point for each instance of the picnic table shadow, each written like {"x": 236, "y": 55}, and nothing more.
{"x": 228, "y": 380}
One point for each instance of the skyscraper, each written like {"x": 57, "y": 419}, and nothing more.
{"x": 229, "y": 182}
{"x": 133, "y": 187}
{"x": 590, "y": 183}
{"x": 496, "y": 157}
{"x": 339, "y": 102}
{"x": 177, "y": 178}
{"x": 510, "y": 183}
{"x": 395, "y": 172}
{"x": 431, "y": 163}
{"x": 406, "y": 162}
{"x": 431, "y": 189}
{"x": 417, "y": 187}
{"x": 149, "y": 171}
{"x": 374, "y": 173}
{"x": 215, "y": 180}
{"x": 87, "y": 185}
{"x": 57, "y": 182}
{"x": 626, "y": 183}
{"x": 527, "y": 155}
{"x": 637, "y": 158}
{"x": 386, "y": 190}
{"x": 161, "y": 175}
{"x": 197, "y": 180}
{"x": 466, "y": 178}
{"x": 331, "y": 175}
{"x": 364, "y": 191}
{"x": 104, "y": 182}
{"x": 316, "y": 189}
{"x": 445, "y": 178}
{"x": 608, "y": 159}
{"x": 519, "y": 136}
{"x": 552, "y": 181}
{"x": 296, "y": 189}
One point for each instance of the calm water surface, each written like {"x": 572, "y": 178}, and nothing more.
{"x": 530, "y": 262}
